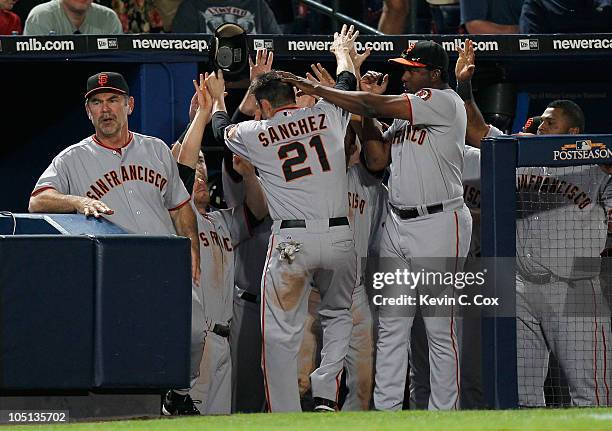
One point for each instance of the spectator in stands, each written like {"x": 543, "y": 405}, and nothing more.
{"x": 167, "y": 10}
{"x": 204, "y": 16}
{"x": 138, "y": 16}
{"x": 393, "y": 18}
{"x": 490, "y": 16}
{"x": 71, "y": 17}
{"x": 566, "y": 16}
{"x": 9, "y": 21}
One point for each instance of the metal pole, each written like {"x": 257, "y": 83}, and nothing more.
{"x": 341, "y": 17}
{"x": 335, "y": 7}
{"x": 414, "y": 7}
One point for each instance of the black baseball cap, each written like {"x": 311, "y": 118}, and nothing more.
{"x": 424, "y": 53}
{"x": 106, "y": 81}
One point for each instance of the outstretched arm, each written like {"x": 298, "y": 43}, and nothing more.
{"x": 357, "y": 102}
{"x": 192, "y": 143}
{"x": 184, "y": 221}
{"x": 52, "y": 201}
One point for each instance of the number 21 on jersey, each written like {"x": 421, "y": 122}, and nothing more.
{"x": 295, "y": 154}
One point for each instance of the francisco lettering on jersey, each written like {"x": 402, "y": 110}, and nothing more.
{"x": 549, "y": 184}
{"x": 293, "y": 129}
{"x": 215, "y": 238}
{"x": 471, "y": 196}
{"x": 113, "y": 179}
{"x": 356, "y": 202}
{"x": 409, "y": 133}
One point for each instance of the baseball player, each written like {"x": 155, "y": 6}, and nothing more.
{"x": 424, "y": 147}
{"x": 470, "y": 334}
{"x": 129, "y": 178}
{"x": 300, "y": 157}
{"x": 220, "y": 233}
{"x": 365, "y": 195}
{"x": 560, "y": 233}
{"x": 248, "y": 394}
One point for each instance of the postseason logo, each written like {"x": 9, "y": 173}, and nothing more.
{"x": 108, "y": 43}
{"x": 582, "y": 150}
{"x": 529, "y": 45}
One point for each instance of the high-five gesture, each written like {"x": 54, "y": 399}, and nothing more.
{"x": 215, "y": 83}
{"x": 374, "y": 82}
{"x": 321, "y": 75}
{"x": 345, "y": 40}
{"x": 204, "y": 100}
{"x": 342, "y": 46}
{"x": 263, "y": 63}
{"x": 464, "y": 69}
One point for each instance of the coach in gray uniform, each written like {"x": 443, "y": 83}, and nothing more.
{"x": 129, "y": 178}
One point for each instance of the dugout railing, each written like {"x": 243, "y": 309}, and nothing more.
{"x": 500, "y": 158}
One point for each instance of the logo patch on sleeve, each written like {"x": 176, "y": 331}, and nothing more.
{"x": 231, "y": 131}
{"x": 424, "y": 93}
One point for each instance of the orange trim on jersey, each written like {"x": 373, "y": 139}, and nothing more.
{"x": 338, "y": 387}
{"x": 452, "y": 322}
{"x": 97, "y": 141}
{"x": 41, "y": 189}
{"x": 263, "y": 326}
{"x": 595, "y": 346}
{"x": 605, "y": 361}
{"x": 409, "y": 106}
{"x": 286, "y": 108}
{"x": 182, "y": 204}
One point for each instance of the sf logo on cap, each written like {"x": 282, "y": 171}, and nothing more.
{"x": 102, "y": 79}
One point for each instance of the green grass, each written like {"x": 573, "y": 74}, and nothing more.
{"x": 523, "y": 420}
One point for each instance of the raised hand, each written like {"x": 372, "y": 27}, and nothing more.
{"x": 465, "y": 67}
{"x": 322, "y": 76}
{"x": 215, "y": 84}
{"x": 359, "y": 59}
{"x": 204, "y": 100}
{"x": 374, "y": 82}
{"x": 263, "y": 63}
{"x": 345, "y": 40}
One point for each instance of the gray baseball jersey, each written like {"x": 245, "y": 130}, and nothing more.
{"x": 471, "y": 192}
{"x": 366, "y": 200}
{"x": 299, "y": 153}
{"x": 219, "y": 232}
{"x": 562, "y": 223}
{"x": 139, "y": 181}
{"x": 365, "y": 197}
{"x": 300, "y": 157}
{"x": 248, "y": 395}
{"x": 427, "y": 152}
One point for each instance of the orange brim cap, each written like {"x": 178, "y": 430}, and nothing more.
{"x": 405, "y": 62}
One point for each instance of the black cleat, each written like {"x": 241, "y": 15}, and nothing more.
{"x": 175, "y": 404}
{"x": 324, "y": 405}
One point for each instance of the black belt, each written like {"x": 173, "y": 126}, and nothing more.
{"x": 336, "y": 221}
{"x": 247, "y": 296}
{"x": 221, "y": 330}
{"x": 409, "y": 213}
